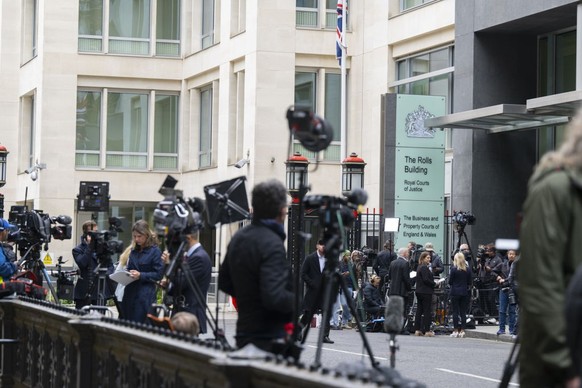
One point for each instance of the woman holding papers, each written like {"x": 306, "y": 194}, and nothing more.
{"x": 145, "y": 268}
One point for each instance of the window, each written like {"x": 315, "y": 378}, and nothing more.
{"x": 407, "y": 4}
{"x": 236, "y": 128}
{"x": 117, "y": 134}
{"x": 238, "y": 16}
{"x": 556, "y": 74}
{"x": 205, "y": 141}
{"x": 29, "y": 30}
{"x": 88, "y": 129}
{"x": 125, "y": 27}
{"x": 207, "y": 23}
{"x": 27, "y": 130}
{"x": 168, "y": 28}
{"x": 306, "y": 87}
{"x": 317, "y": 13}
{"x": 429, "y": 73}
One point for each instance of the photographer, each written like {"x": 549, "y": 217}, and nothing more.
{"x": 86, "y": 288}
{"x": 487, "y": 284}
{"x": 507, "y": 295}
{"x": 436, "y": 262}
{"x": 7, "y": 256}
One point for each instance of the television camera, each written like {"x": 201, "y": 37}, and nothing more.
{"x": 104, "y": 243}
{"x": 34, "y": 228}
{"x": 176, "y": 216}
{"x": 462, "y": 219}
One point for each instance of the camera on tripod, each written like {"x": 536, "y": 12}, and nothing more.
{"x": 462, "y": 219}
{"x": 176, "y": 216}
{"x": 335, "y": 212}
{"x": 36, "y": 227}
{"x": 104, "y": 243}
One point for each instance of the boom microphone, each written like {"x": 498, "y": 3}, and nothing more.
{"x": 394, "y": 315}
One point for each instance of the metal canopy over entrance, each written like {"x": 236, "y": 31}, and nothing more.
{"x": 538, "y": 112}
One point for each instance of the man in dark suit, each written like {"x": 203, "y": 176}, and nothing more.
{"x": 400, "y": 282}
{"x": 312, "y": 275}
{"x": 196, "y": 267}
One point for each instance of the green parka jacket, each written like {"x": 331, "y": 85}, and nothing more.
{"x": 551, "y": 250}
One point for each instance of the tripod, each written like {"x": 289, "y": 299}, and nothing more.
{"x": 103, "y": 286}
{"x": 31, "y": 261}
{"x": 179, "y": 264}
{"x": 460, "y": 234}
{"x": 331, "y": 281}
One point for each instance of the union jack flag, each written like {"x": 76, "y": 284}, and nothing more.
{"x": 339, "y": 40}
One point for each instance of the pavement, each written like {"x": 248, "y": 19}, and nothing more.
{"x": 489, "y": 332}
{"x": 485, "y": 331}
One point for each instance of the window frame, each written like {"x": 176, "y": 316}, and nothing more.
{"x": 333, "y": 151}
{"x": 151, "y": 46}
{"x": 409, "y": 80}
{"x": 149, "y": 156}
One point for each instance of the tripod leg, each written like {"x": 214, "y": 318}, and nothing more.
{"x": 330, "y": 283}
{"x": 353, "y": 310}
{"x": 50, "y": 285}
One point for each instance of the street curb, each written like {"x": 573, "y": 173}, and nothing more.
{"x": 472, "y": 333}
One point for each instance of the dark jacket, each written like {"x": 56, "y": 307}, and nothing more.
{"x": 424, "y": 280}
{"x": 400, "y": 282}
{"x": 199, "y": 271}
{"x": 141, "y": 294}
{"x": 383, "y": 261}
{"x": 256, "y": 272}
{"x": 436, "y": 264}
{"x": 87, "y": 263}
{"x": 313, "y": 278}
{"x": 372, "y": 297}
{"x": 460, "y": 281}
{"x": 550, "y": 253}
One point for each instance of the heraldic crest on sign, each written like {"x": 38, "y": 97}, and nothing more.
{"x": 414, "y": 123}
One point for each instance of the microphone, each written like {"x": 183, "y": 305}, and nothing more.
{"x": 394, "y": 315}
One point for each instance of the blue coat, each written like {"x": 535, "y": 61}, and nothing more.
{"x": 139, "y": 295}
{"x": 460, "y": 281}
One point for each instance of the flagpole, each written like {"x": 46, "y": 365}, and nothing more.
{"x": 344, "y": 46}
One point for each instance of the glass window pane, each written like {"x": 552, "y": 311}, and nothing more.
{"x": 402, "y": 69}
{"x": 168, "y": 19}
{"x": 166, "y": 125}
{"x": 205, "y": 127}
{"x": 566, "y": 62}
{"x": 127, "y": 120}
{"x": 333, "y": 103}
{"x": 439, "y": 60}
{"x": 331, "y": 4}
{"x": 88, "y": 120}
{"x": 439, "y": 86}
{"x": 129, "y": 19}
{"x": 419, "y": 65}
{"x": 305, "y": 89}
{"x": 419, "y": 87}
{"x": 543, "y": 67}
{"x": 207, "y": 23}
{"x": 90, "y": 17}
{"x": 307, "y": 3}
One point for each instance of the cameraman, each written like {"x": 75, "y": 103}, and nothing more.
{"x": 86, "y": 260}
{"x": 488, "y": 259}
{"x": 7, "y": 256}
{"x": 507, "y": 296}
